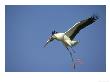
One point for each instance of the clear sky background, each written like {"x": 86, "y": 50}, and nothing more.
{"x": 28, "y": 28}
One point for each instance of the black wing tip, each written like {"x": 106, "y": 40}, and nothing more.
{"x": 94, "y": 17}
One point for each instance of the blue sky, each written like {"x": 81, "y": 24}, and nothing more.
{"x": 28, "y": 28}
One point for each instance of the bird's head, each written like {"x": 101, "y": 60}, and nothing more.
{"x": 51, "y": 38}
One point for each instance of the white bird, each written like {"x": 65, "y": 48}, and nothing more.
{"x": 67, "y": 38}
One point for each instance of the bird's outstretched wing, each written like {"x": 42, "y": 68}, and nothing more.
{"x": 73, "y": 31}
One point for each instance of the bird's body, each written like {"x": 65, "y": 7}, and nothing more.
{"x": 67, "y": 38}
{"x": 59, "y": 36}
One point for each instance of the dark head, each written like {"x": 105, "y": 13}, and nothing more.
{"x": 51, "y": 38}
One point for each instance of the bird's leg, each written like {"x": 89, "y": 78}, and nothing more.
{"x": 73, "y": 63}
{"x": 73, "y": 50}
{"x": 70, "y": 53}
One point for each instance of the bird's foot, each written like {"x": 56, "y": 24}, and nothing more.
{"x": 78, "y": 61}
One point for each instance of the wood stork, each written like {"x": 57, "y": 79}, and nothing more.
{"x": 67, "y": 38}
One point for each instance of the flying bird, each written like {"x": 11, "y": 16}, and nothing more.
{"x": 67, "y": 38}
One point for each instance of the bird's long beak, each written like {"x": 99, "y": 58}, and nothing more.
{"x": 46, "y": 43}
